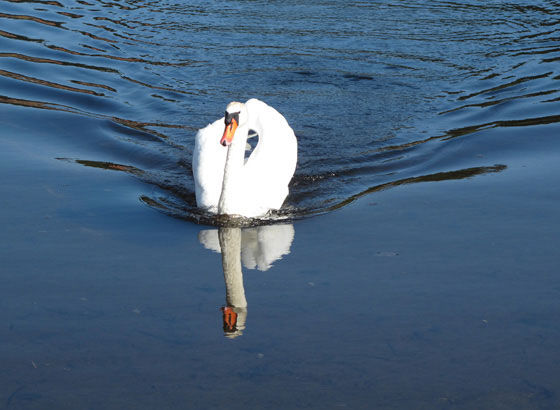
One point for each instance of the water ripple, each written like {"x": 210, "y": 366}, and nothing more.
{"x": 379, "y": 93}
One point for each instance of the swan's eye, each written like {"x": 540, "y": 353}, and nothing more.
{"x": 231, "y": 116}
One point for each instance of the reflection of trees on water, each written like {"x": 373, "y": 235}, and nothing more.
{"x": 253, "y": 248}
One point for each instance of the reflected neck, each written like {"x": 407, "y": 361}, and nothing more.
{"x": 230, "y": 244}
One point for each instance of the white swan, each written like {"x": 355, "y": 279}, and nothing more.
{"x": 227, "y": 184}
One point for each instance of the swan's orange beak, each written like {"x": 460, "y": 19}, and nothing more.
{"x": 227, "y": 138}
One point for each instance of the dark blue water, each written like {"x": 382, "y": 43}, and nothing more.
{"x": 428, "y": 144}
{"x": 373, "y": 90}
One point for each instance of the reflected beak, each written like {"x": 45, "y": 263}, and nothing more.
{"x": 227, "y": 138}
{"x": 229, "y": 318}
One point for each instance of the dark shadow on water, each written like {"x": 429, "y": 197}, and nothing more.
{"x": 439, "y": 176}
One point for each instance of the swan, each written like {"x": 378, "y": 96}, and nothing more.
{"x": 226, "y": 183}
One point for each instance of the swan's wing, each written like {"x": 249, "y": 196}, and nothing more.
{"x": 277, "y": 155}
{"x": 249, "y": 248}
{"x": 262, "y": 246}
{"x": 210, "y": 240}
{"x": 272, "y": 163}
{"x": 209, "y": 159}
{"x": 275, "y": 241}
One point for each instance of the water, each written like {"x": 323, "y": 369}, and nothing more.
{"x": 428, "y": 145}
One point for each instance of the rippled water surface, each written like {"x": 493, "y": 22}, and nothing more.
{"x": 447, "y": 111}
{"x": 375, "y": 91}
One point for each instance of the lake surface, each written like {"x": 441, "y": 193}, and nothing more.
{"x": 417, "y": 265}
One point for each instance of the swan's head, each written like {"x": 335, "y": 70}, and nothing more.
{"x": 235, "y": 114}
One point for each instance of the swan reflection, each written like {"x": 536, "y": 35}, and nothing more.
{"x": 253, "y": 248}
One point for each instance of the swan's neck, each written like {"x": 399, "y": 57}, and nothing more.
{"x": 233, "y": 172}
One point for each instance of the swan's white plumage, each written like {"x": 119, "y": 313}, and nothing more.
{"x": 227, "y": 184}
{"x": 209, "y": 159}
{"x": 260, "y": 246}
